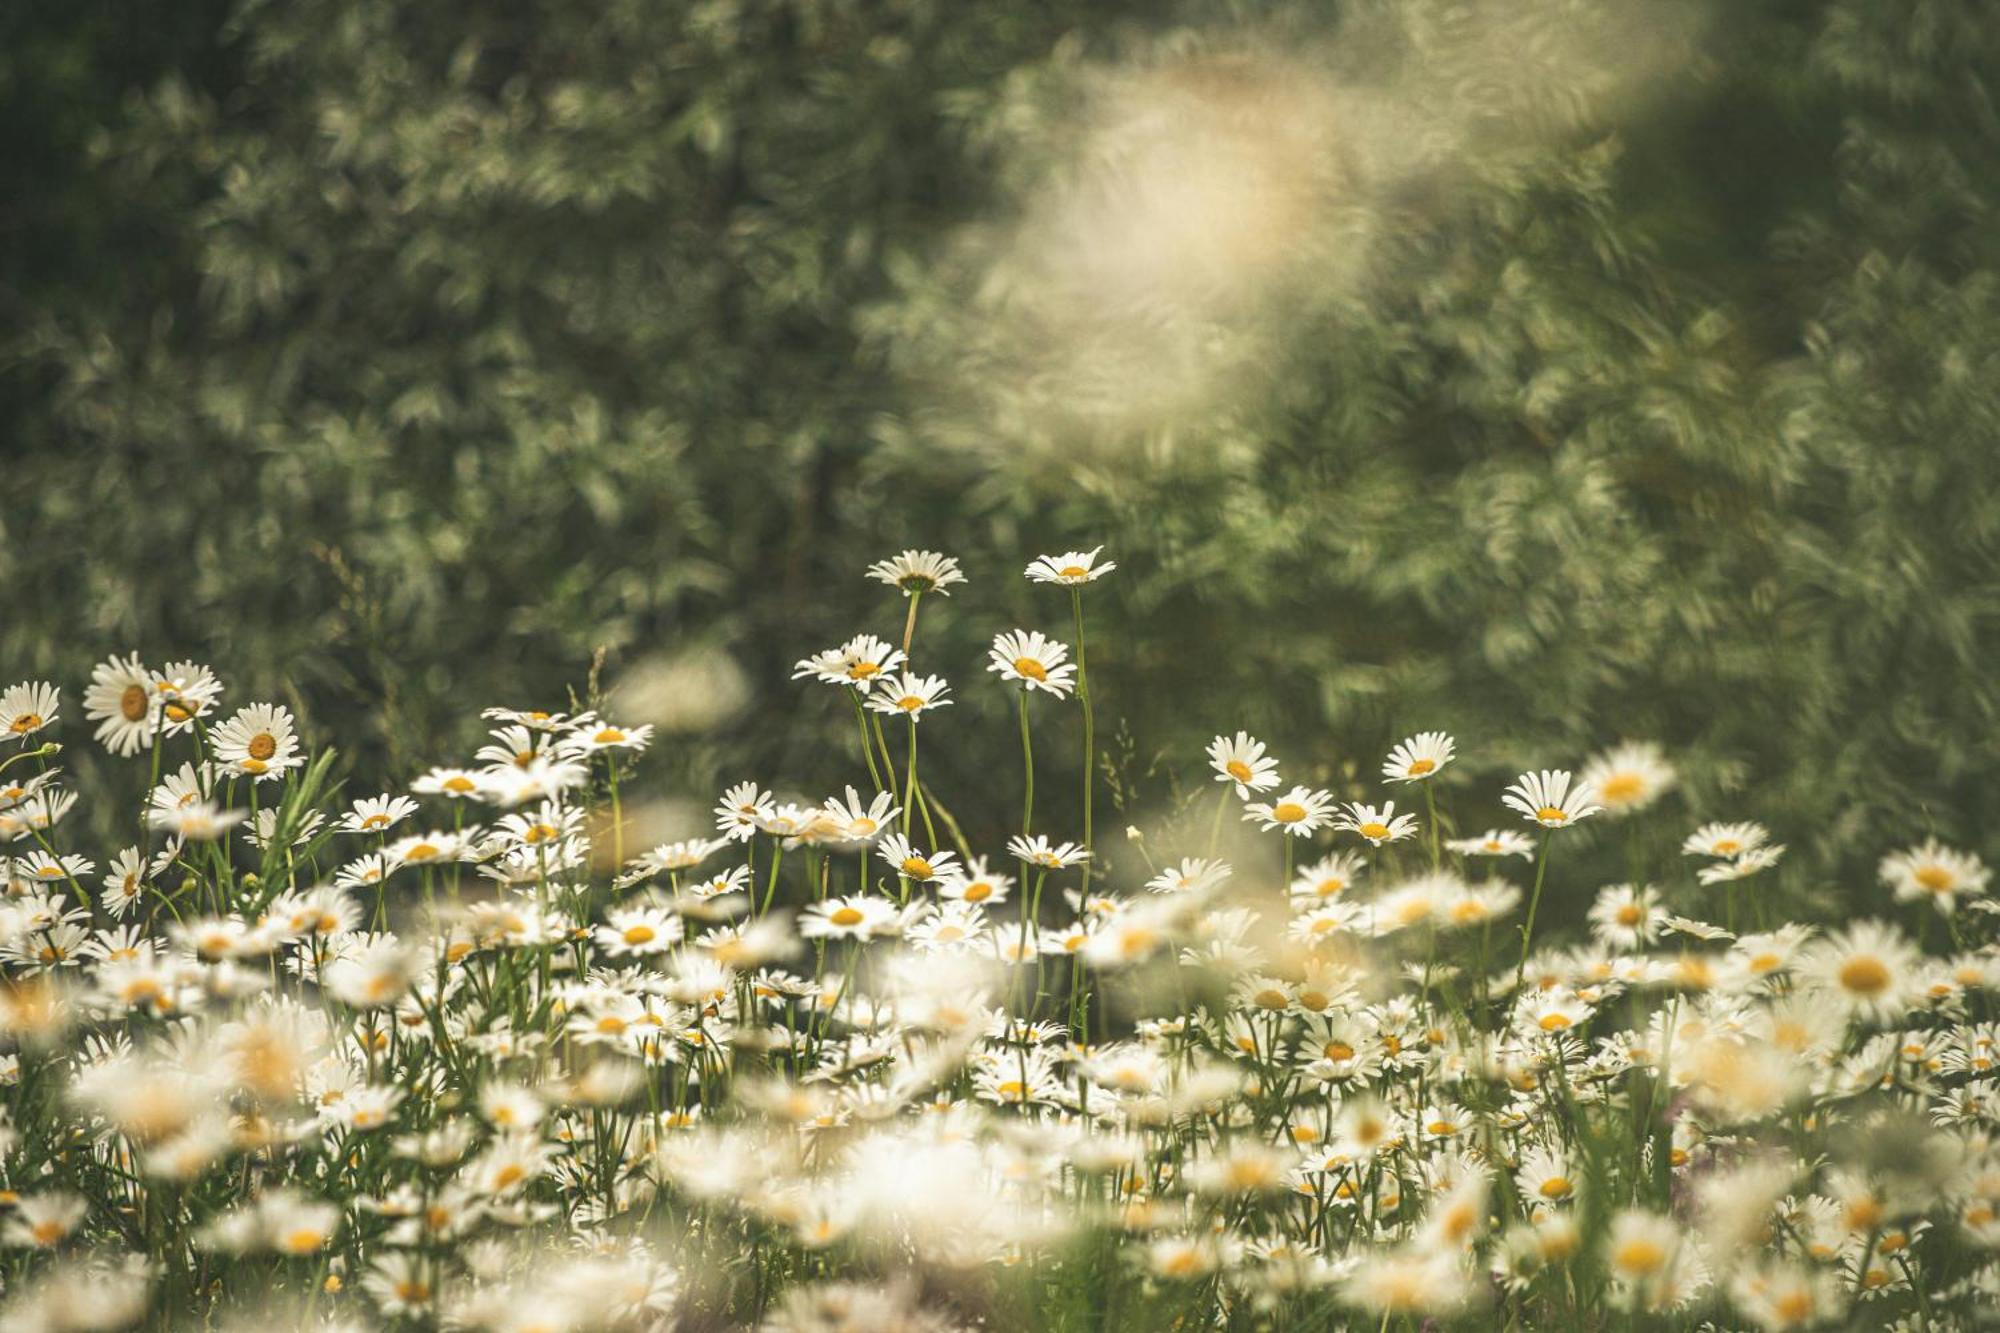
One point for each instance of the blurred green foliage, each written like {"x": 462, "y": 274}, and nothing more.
{"x": 395, "y": 358}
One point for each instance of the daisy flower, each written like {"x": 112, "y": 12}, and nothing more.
{"x": 860, "y": 662}
{"x": 857, "y": 822}
{"x": 1071, "y": 567}
{"x": 1935, "y": 873}
{"x": 1868, "y": 970}
{"x": 1039, "y": 663}
{"x": 1328, "y": 877}
{"x": 1628, "y": 778}
{"x": 1378, "y": 826}
{"x": 375, "y": 814}
{"x": 856, "y": 917}
{"x": 976, "y": 884}
{"x": 603, "y": 734}
{"x": 27, "y": 708}
{"x": 186, "y": 690}
{"x": 1193, "y": 875}
{"x": 1547, "y": 799}
{"x": 1545, "y": 1178}
{"x": 744, "y": 807}
{"x": 454, "y": 783}
{"x": 1495, "y": 842}
{"x": 1626, "y": 916}
{"x": 1040, "y": 852}
{"x": 258, "y": 741}
{"x": 1725, "y": 840}
{"x": 1300, "y": 812}
{"x": 122, "y": 703}
{"x": 1419, "y": 757}
{"x": 43, "y": 1221}
{"x": 918, "y": 572}
{"x": 198, "y": 821}
{"x": 637, "y": 932}
{"x": 1242, "y": 762}
{"x": 911, "y": 694}
{"x": 923, "y": 867}
{"x": 431, "y": 848}
{"x": 1743, "y": 866}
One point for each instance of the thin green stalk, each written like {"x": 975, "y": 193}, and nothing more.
{"x": 1089, "y": 730}
{"x": 1027, "y": 770}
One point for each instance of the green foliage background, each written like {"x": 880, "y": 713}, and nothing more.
{"x": 396, "y": 357}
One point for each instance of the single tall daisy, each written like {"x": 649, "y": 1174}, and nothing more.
{"x": 1035, "y": 660}
{"x": 1548, "y": 799}
{"x": 1628, "y": 778}
{"x": 1071, "y": 567}
{"x": 1935, "y": 873}
{"x": 1419, "y": 757}
{"x": 918, "y": 572}
{"x": 122, "y": 703}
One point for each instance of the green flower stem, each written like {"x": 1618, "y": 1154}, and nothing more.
{"x": 1089, "y": 729}
{"x": 1027, "y": 769}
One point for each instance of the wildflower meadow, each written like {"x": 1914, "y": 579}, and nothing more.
{"x": 449, "y": 1049}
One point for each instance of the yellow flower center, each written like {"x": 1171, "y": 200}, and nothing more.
{"x": 1012, "y": 1090}
{"x": 640, "y": 934}
{"x": 26, "y": 722}
{"x": 611, "y": 1025}
{"x": 1239, "y": 770}
{"x": 303, "y": 1240}
{"x": 1620, "y": 788}
{"x": 47, "y": 1233}
{"x": 1288, "y": 812}
{"x": 1641, "y": 1258}
{"x": 423, "y": 851}
{"x": 1554, "y": 1022}
{"x": 1073, "y": 572}
{"x": 977, "y": 892}
{"x": 916, "y": 867}
{"x": 1419, "y": 767}
{"x": 1337, "y": 1050}
{"x": 846, "y": 916}
{"x": 1031, "y": 668}
{"x": 1556, "y": 1187}
{"x": 910, "y": 703}
{"x": 1551, "y": 814}
{"x": 1373, "y": 831}
{"x": 862, "y": 670}
{"x": 1865, "y": 975}
{"x": 609, "y": 736}
{"x": 262, "y": 746}
{"x": 132, "y": 703}
{"x": 1934, "y": 877}
{"x": 458, "y": 782}
{"x": 1727, "y": 847}
{"x": 1271, "y": 998}
{"x": 1630, "y": 914}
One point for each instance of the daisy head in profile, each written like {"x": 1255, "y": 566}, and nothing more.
{"x": 1034, "y": 660}
{"x": 1628, "y": 778}
{"x": 1419, "y": 758}
{"x": 918, "y": 572}
{"x": 1071, "y": 567}
{"x": 1378, "y": 825}
{"x": 1548, "y": 799}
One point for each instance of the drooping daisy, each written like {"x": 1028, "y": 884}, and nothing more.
{"x": 1300, "y": 812}
{"x": 122, "y": 703}
{"x": 860, "y": 663}
{"x": 1868, "y": 970}
{"x": 1935, "y": 873}
{"x": 1628, "y": 778}
{"x": 377, "y": 814}
{"x": 1038, "y": 662}
{"x": 258, "y": 742}
{"x": 1495, "y": 842}
{"x": 1547, "y": 799}
{"x": 1725, "y": 839}
{"x": 1378, "y": 825}
{"x": 855, "y": 917}
{"x": 27, "y": 708}
{"x": 1040, "y": 852}
{"x": 1419, "y": 757}
{"x": 911, "y": 695}
{"x": 1070, "y": 567}
{"x": 187, "y": 691}
{"x": 923, "y": 867}
{"x": 1242, "y": 761}
{"x": 918, "y": 572}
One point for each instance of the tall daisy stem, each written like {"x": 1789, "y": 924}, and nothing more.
{"x": 867, "y": 749}
{"x": 1431, "y": 809}
{"x": 1089, "y": 729}
{"x": 1534, "y": 901}
{"x": 910, "y": 622}
{"x": 1027, "y": 770}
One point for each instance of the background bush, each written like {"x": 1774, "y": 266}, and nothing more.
{"x": 1610, "y": 372}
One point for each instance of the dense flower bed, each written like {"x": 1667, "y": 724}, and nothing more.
{"x": 456, "y": 1055}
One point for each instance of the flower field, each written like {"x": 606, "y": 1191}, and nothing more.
{"x": 288, "y": 1053}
